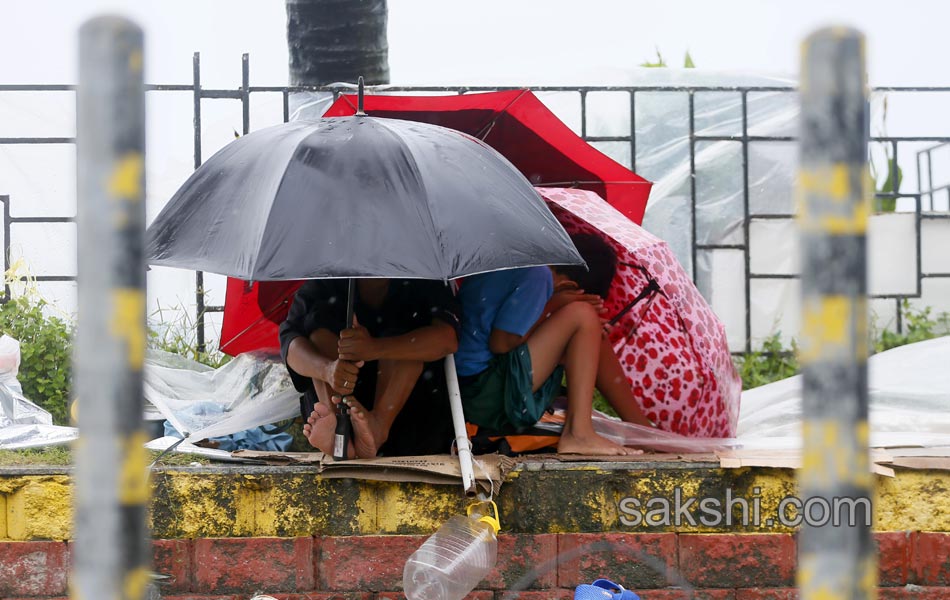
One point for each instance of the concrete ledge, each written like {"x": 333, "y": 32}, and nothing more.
{"x": 537, "y": 497}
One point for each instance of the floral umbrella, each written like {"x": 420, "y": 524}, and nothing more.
{"x": 672, "y": 346}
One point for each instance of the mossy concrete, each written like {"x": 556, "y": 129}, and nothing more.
{"x": 537, "y": 497}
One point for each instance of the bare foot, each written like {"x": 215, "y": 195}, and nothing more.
{"x": 591, "y": 444}
{"x": 319, "y": 428}
{"x": 364, "y": 436}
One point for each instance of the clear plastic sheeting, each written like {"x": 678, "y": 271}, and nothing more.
{"x": 650, "y": 438}
{"x": 26, "y": 425}
{"x": 15, "y": 409}
{"x": 251, "y": 390}
{"x": 640, "y": 436}
{"x": 909, "y": 395}
{"x": 19, "y": 437}
{"x": 22, "y": 423}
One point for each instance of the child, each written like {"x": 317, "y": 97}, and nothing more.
{"x": 521, "y": 329}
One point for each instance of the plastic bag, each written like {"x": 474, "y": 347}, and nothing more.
{"x": 10, "y": 363}
{"x": 251, "y": 390}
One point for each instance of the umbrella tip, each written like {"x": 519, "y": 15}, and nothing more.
{"x": 359, "y": 96}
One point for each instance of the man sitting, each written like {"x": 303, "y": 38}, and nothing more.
{"x": 388, "y": 368}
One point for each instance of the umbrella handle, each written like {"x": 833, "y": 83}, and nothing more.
{"x": 343, "y": 433}
{"x": 359, "y": 97}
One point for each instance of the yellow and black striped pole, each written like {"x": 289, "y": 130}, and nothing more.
{"x": 836, "y": 555}
{"x": 112, "y": 549}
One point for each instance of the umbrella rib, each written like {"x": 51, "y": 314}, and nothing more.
{"x": 253, "y": 274}
{"x": 437, "y": 245}
{"x": 264, "y": 316}
{"x": 486, "y": 129}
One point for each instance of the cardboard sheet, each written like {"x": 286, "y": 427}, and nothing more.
{"x": 792, "y": 459}
{"x": 490, "y": 469}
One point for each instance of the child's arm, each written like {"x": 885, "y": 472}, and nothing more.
{"x": 501, "y": 341}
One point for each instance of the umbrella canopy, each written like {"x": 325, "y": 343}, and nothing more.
{"x": 672, "y": 346}
{"x": 356, "y": 197}
{"x": 526, "y": 132}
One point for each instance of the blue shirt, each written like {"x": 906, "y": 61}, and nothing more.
{"x": 510, "y": 300}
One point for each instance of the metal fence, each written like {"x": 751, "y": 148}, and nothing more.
{"x": 242, "y": 94}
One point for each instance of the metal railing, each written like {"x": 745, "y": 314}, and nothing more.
{"x": 243, "y": 94}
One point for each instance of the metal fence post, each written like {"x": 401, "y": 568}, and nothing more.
{"x": 836, "y": 557}
{"x": 110, "y": 556}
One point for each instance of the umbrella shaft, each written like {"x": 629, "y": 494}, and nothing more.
{"x": 344, "y": 431}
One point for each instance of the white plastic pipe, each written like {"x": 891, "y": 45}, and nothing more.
{"x": 462, "y": 442}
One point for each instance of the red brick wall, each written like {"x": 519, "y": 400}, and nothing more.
{"x": 660, "y": 566}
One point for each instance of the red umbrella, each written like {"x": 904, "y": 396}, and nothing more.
{"x": 516, "y": 123}
{"x": 671, "y": 345}
{"x": 253, "y": 313}
{"x": 519, "y": 126}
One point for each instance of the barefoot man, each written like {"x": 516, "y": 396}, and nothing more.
{"x": 388, "y": 368}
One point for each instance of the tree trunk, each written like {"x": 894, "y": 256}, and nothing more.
{"x": 337, "y": 41}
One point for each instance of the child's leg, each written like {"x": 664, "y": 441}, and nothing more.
{"x": 612, "y": 383}
{"x": 572, "y": 337}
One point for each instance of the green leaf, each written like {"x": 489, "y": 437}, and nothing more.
{"x": 659, "y": 64}
{"x": 688, "y": 62}
{"x": 890, "y": 186}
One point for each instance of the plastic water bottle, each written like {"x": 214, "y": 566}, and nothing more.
{"x": 454, "y": 559}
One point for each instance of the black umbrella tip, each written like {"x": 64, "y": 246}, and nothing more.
{"x": 359, "y": 96}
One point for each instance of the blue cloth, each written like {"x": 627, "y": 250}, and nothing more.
{"x": 510, "y": 300}
{"x": 255, "y": 438}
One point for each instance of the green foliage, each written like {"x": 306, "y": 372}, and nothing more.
{"x": 892, "y": 183}
{"x": 173, "y": 330}
{"x": 45, "y": 354}
{"x": 48, "y": 456}
{"x": 601, "y": 404}
{"x": 771, "y": 363}
{"x": 660, "y": 62}
{"x": 62, "y": 456}
{"x": 46, "y": 342}
{"x": 918, "y": 325}
{"x": 895, "y": 175}
{"x": 774, "y": 362}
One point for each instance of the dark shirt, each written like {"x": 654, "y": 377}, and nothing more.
{"x": 424, "y": 425}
